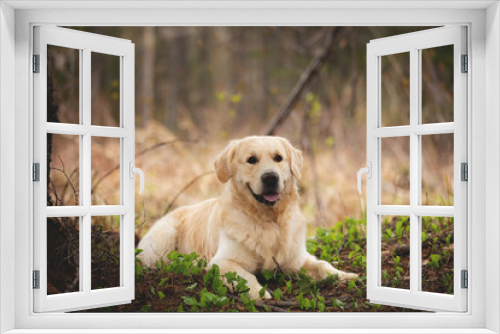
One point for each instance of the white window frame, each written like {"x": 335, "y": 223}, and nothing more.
{"x": 85, "y": 43}
{"x": 483, "y": 21}
{"x": 413, "y": 44}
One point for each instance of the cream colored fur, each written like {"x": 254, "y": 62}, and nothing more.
{"x": 237, "y": 232}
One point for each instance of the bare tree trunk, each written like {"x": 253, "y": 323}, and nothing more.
{"x": 51, "y": 117}
{"x": 305, "y": 79}
{"x": 176, "y": 79}
{"x": 311, "y": 154}
{"x": 148, "y": 73}
{"x": 204, "y": 83}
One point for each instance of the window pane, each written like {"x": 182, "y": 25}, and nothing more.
{"x": 105, "y": 89}
{"x": 437, "y": 254}
{"x": 105, "y": 252}
{"x": 63, "y": 164}
{"x": 395, "y": 251}
{"x": 395, "y": 168}
{"x": 395, "y": 85}
{"x": 437, "y": 84}
{"x": 63, "y": 255}
{"x": 63, "y": 85}
{"x": 437, "y": 169}
{"x": 105, "y": 171}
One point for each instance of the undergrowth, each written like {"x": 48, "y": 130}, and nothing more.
{"x": 185, "y": 284}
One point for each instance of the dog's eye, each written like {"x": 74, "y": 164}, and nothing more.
{"x": 278, "y": 158}
{"x": 252, "y": 160}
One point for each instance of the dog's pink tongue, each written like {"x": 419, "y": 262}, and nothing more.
{"x": 272, "y": 197}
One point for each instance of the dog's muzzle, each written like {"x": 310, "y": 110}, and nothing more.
{"x": 268, "y": 199}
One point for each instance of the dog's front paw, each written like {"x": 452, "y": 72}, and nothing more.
{"x": 254, "y": 293}
{"x": 267, "y": 295}
{"x": 343, "y": 276}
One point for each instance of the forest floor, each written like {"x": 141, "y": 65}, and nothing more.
{"x": 180, "y": 286}
{"x": 185, "y": 285}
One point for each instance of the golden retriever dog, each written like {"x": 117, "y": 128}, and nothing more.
{"x": 255, "y": 219}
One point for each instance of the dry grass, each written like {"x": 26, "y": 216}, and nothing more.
{"x": 179, "y": 171}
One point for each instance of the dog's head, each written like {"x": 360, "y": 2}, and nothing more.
{"x": 260, "y": 166}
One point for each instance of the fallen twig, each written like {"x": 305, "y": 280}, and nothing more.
{"x": 271, "y": 304}
{"x": 281, "y": 270}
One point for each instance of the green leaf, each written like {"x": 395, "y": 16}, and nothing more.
{"x": 300, "y": 300}
{"x": 161, "y": 295}
{"x": 164, "y": 267}
{"x": 306, "y": 304}
{"x": 321, "y": 307}
{"x": 190, "y": 301}
{"x": 268, "y": 274}
{"x": 138, "y": 269}
{"x": 277, "y": 294}
{"x": 313, "y": 304}
{"x": 424, "y": 236}
{"x": 145, "y": 308}
{"x": 262, "y": 291}
{"x": 230, "y": 276}
{"x": 434, "y": 228}
{"x": 289, "y": 287}
{"x": 221, "y": 291}
{"x": 191, "y": 287}
{"x": 435, "y": 257}
{"x": 354, "y": 304}
{"x": 162, "y": 282}
{"x": 338, "y": 303}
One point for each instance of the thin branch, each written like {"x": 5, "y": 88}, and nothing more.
{"x": 193, "y": 181}
{"x": 146, "y": 150}
{"x": 70, "y": 183}
{"x": 305, "y": 79}
{"x": 279, "y": 268}
{"x": 170, "y": 142}
{"x": 271, "y": 304}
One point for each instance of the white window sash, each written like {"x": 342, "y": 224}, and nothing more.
{"x": 413, "y": 43}
{"x": 85, "y": 298}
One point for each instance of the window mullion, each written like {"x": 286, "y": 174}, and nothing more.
{"x": 85, "y": 246}
{"x": 415, "y": 166}
{"x": 82, "y": 182}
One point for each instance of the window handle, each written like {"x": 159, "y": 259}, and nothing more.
{"x": 368, "y": 171}
{"x": 134, "y": 170}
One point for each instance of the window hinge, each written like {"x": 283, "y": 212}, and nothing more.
{"x": 36, "y": 279}
{"x": 465, "y": 279}
{"x": 464, "y": 171}
{"x": 36, "y": 172}
{"x": 36, "y": 63}
{"x": 465, "y": 63}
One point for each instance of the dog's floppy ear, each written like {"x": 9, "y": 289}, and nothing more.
{"x": 223, "y": 162}
{"x": 296, "y": 158}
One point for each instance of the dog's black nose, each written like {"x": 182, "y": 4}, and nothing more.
{"x": 270, "y": 179}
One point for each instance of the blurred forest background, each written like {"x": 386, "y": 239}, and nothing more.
{"x": 199, "y": 87}
{"x": 196, "y": 88}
